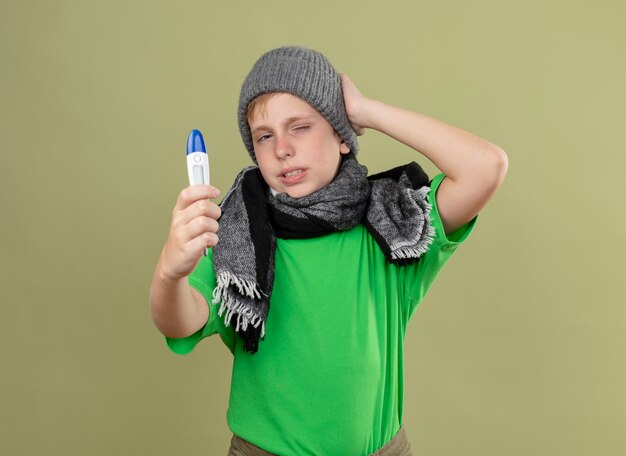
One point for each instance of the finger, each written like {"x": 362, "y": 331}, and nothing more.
{"x": 189, "y": 205}
{"x": 200, "y": 208}
{"x": 197, "y": 245}
{"x": 186, "y": 239}
{"x": 200, "y": 225}
{"x": 193, "y": 193}
{"x": 194, "y": 248}
{"x": 347, "y": 83}
{"x": 203, "y": 208}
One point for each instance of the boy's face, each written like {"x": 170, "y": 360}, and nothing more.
{"x": 297, "y": 150}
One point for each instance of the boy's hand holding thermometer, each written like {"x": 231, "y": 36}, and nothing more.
{"x": 197, "y": 162}
{"x": 195, "y": 217}
{"x": 177, "y": 308}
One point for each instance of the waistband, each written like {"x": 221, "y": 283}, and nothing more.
{"x": 397, "y": 446}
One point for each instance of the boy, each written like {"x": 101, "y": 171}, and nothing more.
{"x": 341, "y": 260}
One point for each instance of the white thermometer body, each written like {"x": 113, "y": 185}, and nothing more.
{"x": 197, "y": 162}
{"x": 197, "y": 159}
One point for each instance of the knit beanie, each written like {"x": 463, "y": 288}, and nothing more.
{"x": 304, "y": 73}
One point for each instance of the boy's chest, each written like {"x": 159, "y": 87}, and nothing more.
{"x": 337, "y": 293}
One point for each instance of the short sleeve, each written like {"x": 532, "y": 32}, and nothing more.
{"x": 455, "y": 238}
{"x": 203, "y": 280}
{"x": 420, "y": 277}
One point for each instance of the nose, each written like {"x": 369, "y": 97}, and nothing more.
{"x": 283, "y": 147}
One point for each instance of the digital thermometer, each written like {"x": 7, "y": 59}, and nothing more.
{"x": 197, "y": 159}
{"x": 197, "y": 162}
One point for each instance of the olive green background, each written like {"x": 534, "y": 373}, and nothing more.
{"x": 517, "y": 350}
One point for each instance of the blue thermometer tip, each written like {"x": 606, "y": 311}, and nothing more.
{"x": 195, "y": 142}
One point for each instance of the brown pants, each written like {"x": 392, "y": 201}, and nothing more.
{"x": 398, "y": 446}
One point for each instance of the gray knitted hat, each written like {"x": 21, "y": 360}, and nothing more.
{"x": 304, "y": 73}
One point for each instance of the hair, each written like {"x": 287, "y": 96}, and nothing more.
{"x": 257, "y": 105}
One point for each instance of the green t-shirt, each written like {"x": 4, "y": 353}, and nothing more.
{"x": 329, "y": 377}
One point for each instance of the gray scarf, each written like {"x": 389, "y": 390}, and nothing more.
{"x": 392, "y": 205}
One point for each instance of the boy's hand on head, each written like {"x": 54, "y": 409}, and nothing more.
{"x": 193, "y": 228}
{"x": 356, "y": 104}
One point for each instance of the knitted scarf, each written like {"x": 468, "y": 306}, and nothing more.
{"x": 392, "y": 206}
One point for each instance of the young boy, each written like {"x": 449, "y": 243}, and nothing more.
{"x": 318, "y": 268}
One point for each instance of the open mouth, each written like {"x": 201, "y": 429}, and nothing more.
{"x": 293, "y": 176}
{"x": 293, "y": 173}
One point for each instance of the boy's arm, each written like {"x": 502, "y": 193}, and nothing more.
{"x": 474, "y": 168}
{"x": 177, "y": 309}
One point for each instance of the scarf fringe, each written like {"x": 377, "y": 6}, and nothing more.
{"x": 229, "y": 303}
{"x": 417, "y": 250}
{"x": 248, "y": 288}
{"x": 419, "y": 246}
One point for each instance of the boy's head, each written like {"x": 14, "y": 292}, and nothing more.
{"x": 304, "y": 73}
{"x": 297, "y": 150}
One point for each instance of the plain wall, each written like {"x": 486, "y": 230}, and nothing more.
{"x": 519, "y": 347}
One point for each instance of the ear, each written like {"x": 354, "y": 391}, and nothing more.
{"x": 343, "y": 148}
